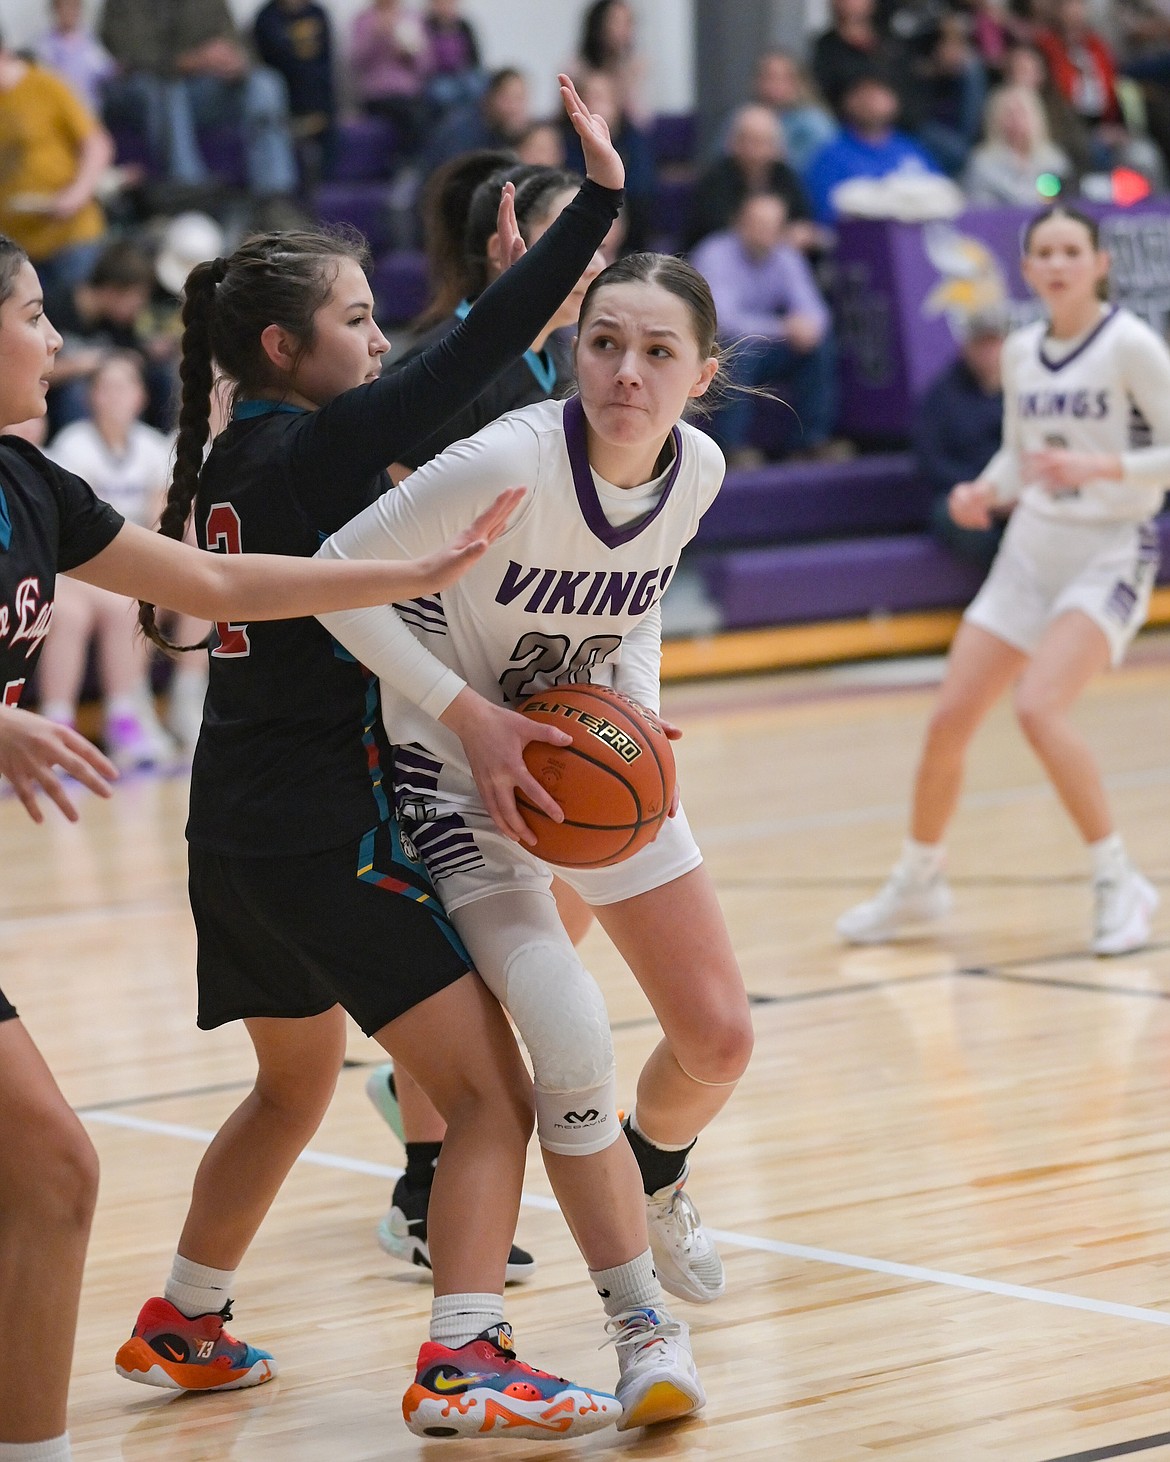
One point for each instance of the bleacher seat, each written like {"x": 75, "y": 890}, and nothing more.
{"x": 673, "y": 139}
{"x": 364, "y": 205}
{"x": 366, "y": 150}
{"x": 400, "y": 285}
{"x": 804, "y": 543}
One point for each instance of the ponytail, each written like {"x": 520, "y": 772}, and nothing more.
{"x": 197, "y": 377}
{"x": 271, "y": 279}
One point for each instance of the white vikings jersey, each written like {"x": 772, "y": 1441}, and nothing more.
{"x": 569, "y": 593}
{"x": 1086, "y": 395}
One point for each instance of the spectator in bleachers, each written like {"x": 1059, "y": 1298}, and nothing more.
{"x": 101, "y": 315}
{"x": 777, "y": 324}
{"x": 958, "y": 426}
{"x": 454, "y": 67}
{"x": 782, "y": 84}
{"x": 500, "y": 118}
{"x": 1026, "y": 66}
{"x": 128, "y": 464}
{"x": 53, "y": 153}
{"x": 752, "y": 162}
{"x": 543, "y": 145}
{"x": 295, "y": 38}
{"x": 868, "y": 145}
{"x": 444, "y": 206}
{"x": 389, "y": 59}
{"x": 1019, "y": 165}
{"x": 609, "y": 45}
{"x": 995, "y": 28}
{"x": 633, "y": 145}
{"x": 183, "y": 66}
{"x": 1084, "y": 70}
{"x": 71, "y": 49}
{"x": 856, "y": 46}
{"x": 954, "y": 84}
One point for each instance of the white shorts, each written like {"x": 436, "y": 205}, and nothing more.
{"x": 1046, "y": 567}
{"x": 467, "y": 858}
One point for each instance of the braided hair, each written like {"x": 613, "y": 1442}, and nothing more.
{"x": 272, "y": 278}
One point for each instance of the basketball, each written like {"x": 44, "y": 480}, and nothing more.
{"x": 615, "y": 781}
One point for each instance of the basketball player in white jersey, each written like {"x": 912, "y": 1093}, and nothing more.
{"x": 1084, "y": 464}
{"x": 616, "y": 486}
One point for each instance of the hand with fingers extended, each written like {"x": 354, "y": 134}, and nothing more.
{"x": 33, "y": 750}
{"x": 439, "y": 570}
{"x": 602, "y": 163}
{"x": 511, "y": 241}
{"x": 494, "y": 738}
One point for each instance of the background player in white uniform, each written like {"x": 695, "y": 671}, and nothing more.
{"x": 1071, "y": 582}
{"x": 616, "y": 488}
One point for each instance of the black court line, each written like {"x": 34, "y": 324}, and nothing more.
{"x": 1007, "y": 976}
{"x": 1119, "y": 1449}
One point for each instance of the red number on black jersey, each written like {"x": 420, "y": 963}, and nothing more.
{"x": 223, "y": 536}
{"x": 12, "y": 690}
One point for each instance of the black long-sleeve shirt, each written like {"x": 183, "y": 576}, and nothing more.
{"x": 292, "y": 752}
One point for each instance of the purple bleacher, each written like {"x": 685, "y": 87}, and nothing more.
{"x": 672, "y": 203}
{"x": 850, "y": 577}
{"x": 875, "y": 554}
{"x": 364, "y": 205}
{"x": 800, "y": 501}
{"x": 131, "y": 146}
{"x": 400, "y": 285}
{"x": 673, "y": 138}
{"x": 365, "y": 152}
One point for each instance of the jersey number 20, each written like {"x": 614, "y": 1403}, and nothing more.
{"x": 223, "y": 536}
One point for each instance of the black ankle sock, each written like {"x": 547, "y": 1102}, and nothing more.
{"x": 659, "y": 1167}
{"x": 421, "y": 1158}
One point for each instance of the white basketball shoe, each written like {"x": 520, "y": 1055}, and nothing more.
{"x": 658, "y": 1380}
{"x": 905, "y": 899}
{"x": 1125, "y": 903}
{"x": 685, "y": 1255}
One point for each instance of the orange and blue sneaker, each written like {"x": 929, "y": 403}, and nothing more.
{"x": 168, "y": 1349}
{"x": 481, "y": 1389}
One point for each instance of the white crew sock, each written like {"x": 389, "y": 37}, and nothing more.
{"x": 630, "y": 1286}
{"x": 459, "y": 1318}
{"x": 197, "y": 1289}
{"x": 1109, "y": 858}
{"x": 55, "y": 1450}
{"x": 923, "y": 861}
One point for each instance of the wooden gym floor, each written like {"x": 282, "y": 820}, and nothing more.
{"x": 942, "y": 1191}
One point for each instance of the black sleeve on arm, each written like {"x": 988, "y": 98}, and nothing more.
{"x": 362, "y": 431}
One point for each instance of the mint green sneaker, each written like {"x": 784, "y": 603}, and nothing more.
{"x": 380, "y": 1090}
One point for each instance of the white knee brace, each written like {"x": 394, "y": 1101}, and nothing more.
{"x": 560, "y": 1012}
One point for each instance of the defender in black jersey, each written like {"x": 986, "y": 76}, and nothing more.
{"x": 51, "y": 521}
{"x": 305, "y": 900}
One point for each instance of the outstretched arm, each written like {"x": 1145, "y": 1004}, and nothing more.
{"x": 33, "y": 749}
{"x": 148, "y": 566}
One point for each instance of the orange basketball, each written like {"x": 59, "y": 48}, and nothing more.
{"x": 615, "y": 782}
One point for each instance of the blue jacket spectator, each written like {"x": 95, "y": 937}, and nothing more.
{"x": 866, "y": 147}
{"x": 957, "y": 430}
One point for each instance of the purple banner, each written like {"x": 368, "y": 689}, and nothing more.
{"x": 905, "y": 290}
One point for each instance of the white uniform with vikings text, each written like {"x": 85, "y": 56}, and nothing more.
{"x": 570, "y": 593}
{"x": 1092, "y": 547}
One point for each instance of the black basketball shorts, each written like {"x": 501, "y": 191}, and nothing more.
{"x": 358, "y": 926}
{"x": 7, "y": 1009}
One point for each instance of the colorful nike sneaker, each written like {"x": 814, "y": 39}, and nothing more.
{"x": 169, "y": 1350}
{"x": 403, "y": 1234}
{"x": 481, "y": 1390}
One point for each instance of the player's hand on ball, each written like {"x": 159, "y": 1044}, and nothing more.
{"x": 602, "y": 162}
{"x": 494, "y": 738}
{"x": 436, "y": 571}
{"x": 33, "y": 749}
{"x": 970, "y": 503}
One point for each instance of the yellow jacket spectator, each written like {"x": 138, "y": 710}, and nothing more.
{"x": 52, "y": 153}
